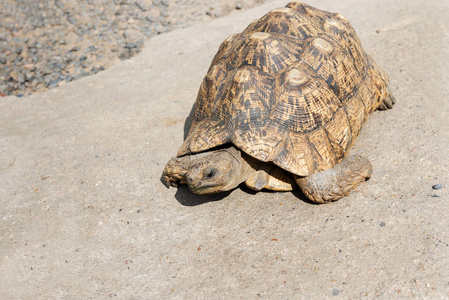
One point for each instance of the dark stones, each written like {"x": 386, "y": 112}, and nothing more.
{"x": 49, "y": 41}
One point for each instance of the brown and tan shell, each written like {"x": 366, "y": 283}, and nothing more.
{"x": 294, "y": 88}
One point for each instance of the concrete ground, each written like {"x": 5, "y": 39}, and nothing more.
{"x": 85, "y": 216}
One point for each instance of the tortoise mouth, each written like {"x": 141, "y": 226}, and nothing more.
{"x": 201, "y": 189}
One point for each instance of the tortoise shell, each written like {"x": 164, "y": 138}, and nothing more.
{"x": 294, "y": 88}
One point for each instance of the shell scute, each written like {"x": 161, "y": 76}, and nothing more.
{"x": 304, "y": 107}
{"x": 285, "y": 21}
{"x": 270, "y": 53}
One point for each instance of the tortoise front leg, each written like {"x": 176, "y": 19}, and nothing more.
{"x": 388, "y": 102}
{"x": 175, "y": 171}
{"x": 270, "y": 177}
{"x": 335, "y": 183}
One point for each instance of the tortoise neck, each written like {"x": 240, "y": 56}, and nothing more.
{"x": 248, "y": 165}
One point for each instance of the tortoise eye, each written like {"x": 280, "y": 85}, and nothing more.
{"x": 209, "y": 172}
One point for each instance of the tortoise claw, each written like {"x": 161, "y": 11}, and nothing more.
{"x": 387, "y": 103}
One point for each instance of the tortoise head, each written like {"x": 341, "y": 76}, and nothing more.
{"x": 216, "y": 172}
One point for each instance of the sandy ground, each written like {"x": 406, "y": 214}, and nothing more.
{"x": 85, "y": 216}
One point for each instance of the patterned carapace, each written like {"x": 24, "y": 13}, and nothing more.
{"x": 294, "y": 88}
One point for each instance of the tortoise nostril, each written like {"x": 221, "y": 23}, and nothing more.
{"x": 189, "y": 179}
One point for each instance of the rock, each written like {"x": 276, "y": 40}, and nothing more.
{"x": 437, "y": 186}
{"x": 53, "y": 84}
{"x": 131, "y": 45}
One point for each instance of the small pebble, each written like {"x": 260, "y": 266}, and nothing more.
{"x": 382, "y": 224}
{"x": 53, "y": 84}
{"x": 72, "y": 20}
{"x": 131, "y": 45}
{"x": 437, "y": 186}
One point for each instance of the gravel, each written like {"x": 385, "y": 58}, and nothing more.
{"x": 47, "y": 43}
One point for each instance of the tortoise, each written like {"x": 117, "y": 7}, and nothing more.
{"x": 281, "y": 106}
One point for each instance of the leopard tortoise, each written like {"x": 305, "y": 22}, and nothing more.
{"x": 280, "y": 107}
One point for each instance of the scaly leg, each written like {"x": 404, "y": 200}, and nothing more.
{"x": 176, "y": 170}
{"x": 388, "y": 102}
{"x": 335, "y": 183}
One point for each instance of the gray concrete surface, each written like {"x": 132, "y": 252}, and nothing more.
{"x": 84, "y": 215}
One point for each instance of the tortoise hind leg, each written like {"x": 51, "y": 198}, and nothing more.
{"x": 335, "y": 183}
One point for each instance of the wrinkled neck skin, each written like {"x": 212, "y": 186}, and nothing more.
{"x": 218, "y": 171}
